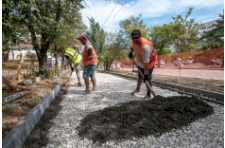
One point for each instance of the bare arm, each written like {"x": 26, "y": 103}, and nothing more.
{"x": 89, "y": 50}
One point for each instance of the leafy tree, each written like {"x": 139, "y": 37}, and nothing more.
{"x": 184, "y": 32}
{"x": 132, "y": 23}
{"x": 215, "y": 37}
{"x": 161, "y": 37}
{"x": 12, "y": 30}
{"x": 96, "y": 35}
{"x": 115, "y": 50}
{"x": 166, "y": 51}
{"x": 42, "y": 18}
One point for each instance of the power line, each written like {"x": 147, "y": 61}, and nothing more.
{"x": 117, "y": 13}
{"x": 110, "y": 13}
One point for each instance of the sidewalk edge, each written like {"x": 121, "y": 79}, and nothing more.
{"x": 17, "y": 136}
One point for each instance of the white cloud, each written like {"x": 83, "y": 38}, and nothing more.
{"x": 101, "y": 9}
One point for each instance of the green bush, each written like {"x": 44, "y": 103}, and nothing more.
{"x": 49, "y": 73}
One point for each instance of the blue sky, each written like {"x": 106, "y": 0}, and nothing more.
{"x": 154, "y": 12}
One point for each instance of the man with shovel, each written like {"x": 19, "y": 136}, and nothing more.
{"x": 73, "y": 57}
{"x": 146, "y": 57}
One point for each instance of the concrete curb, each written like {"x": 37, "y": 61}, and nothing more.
{"x": 17, "y": 136}
{"x": 14, "y": 97}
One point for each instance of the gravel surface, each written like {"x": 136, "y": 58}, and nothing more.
{"x": 74, "y": 106}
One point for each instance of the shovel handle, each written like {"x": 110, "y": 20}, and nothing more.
{"x": 68, "y": 79}
{"x": 142, "y": 75}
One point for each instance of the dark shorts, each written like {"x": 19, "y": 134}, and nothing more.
{"x": 149, "y": 73}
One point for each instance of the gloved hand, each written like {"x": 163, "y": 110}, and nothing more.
{"x": 146, "y": 78}
{"x": 72, "y": 69}
{"x": 130, "y": 55}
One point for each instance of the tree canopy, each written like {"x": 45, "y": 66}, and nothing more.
{"x": 214, "y": 37}
{"x": 42, "y": 19}
{"x": 184, "y": 32}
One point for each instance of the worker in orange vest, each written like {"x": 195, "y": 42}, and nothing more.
{"x": 90, "y": 63}
{"x": 146, "y": 57}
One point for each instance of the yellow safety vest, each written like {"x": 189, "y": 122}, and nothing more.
{"x": 74, "y": 56}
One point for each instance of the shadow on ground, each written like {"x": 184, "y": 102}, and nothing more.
{"x": 38, "y": 136}
{"x": 140, "y": 118}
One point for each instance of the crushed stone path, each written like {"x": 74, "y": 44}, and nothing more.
{"x": 57, "y": 128}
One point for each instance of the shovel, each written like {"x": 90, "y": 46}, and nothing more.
{"x": 142, "y": 75}
{"x": 68, "y": 79}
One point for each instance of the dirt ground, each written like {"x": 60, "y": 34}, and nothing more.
{"x": 213, "y": 85}
{"x": 14, "y": 111}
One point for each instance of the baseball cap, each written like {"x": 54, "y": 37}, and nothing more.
{"x": 82, "y": 37}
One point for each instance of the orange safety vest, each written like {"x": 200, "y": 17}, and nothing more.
{"x": 153, "y": 57}
{"x": 92, "y": 59}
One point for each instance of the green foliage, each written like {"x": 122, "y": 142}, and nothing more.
{"x": 184, "y": 32}
{"x": 166, "y": 51}
{"x": 49, "y": 72}
{"x": 12, "y": 29}
{"x": 67, "y": 34}
{"x": 42, "y": 19}
{"x": 96, "y": 35}
{"x": 161, "y": 37}
{"x": 132, "y": 23}
{"x": 116, "y": 50}
{"x": 215, "y": 37}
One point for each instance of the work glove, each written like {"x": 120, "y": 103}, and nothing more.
{"x": 146, "y": 78}
{"x": 130, "y": 55}
{"x": 72, "y": 69}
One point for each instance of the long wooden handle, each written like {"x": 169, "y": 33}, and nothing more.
{"x": 142, "y": 75}
{"x": 68, "y": 79}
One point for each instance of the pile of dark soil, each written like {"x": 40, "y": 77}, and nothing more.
{"x": 140, "y": 118}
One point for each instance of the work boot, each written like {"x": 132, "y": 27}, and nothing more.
{"x": 136, "y": 91}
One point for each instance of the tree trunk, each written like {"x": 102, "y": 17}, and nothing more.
{"x": 42, "y": 59}
{"x": 56, "y": 58}
{"x": 63, "y": 62}
{"x": 158, "y": 57}
{"x": 56, "y": 62}
{"x": 107, "y": 62}
{"x": 40, "y": 52}
{"x": 104, "y": 65}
